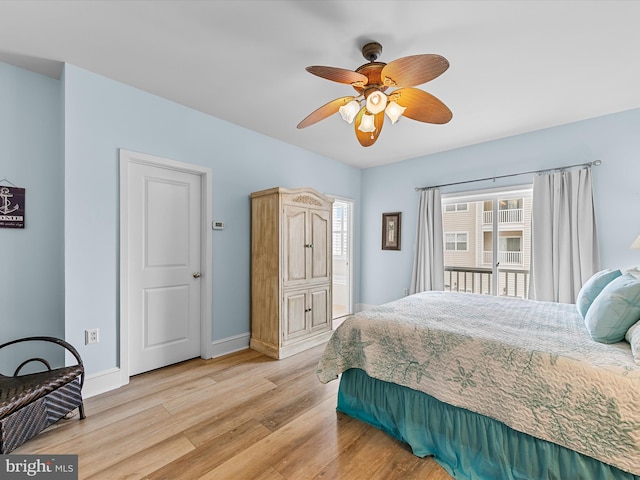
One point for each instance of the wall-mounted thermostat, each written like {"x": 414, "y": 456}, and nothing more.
{"x": 216, "y": 225}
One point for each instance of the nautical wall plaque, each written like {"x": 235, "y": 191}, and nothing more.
{"x": 11, "y": 207}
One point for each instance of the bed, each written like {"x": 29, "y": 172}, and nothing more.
{"x": 492, "y": 387}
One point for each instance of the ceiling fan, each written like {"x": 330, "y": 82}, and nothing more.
{"x": 371, "y": 80}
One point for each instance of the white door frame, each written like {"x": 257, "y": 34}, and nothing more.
{"x": 352, "y": 206}
{"x": 128, "y": 157}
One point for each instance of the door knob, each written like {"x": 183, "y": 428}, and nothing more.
{"x": 196, "y": 274}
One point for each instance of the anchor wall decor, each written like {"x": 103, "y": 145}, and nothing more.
{"x": 11, "y": 207}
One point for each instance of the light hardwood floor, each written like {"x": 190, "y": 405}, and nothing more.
{"x": 240, "y": 417}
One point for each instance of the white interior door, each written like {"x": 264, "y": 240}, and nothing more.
{"x": 164, "y": 304}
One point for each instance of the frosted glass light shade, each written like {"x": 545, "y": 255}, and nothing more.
{"x": 636, "y": 243}
{"x": 394, "y": 111}
{"x": 376, "y": 101}
{"x": 349, "y": 111}
{"x": 367, "y": 124}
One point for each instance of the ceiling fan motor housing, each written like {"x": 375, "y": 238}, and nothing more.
{"x": 371, "y": 51}
{"x": 373, "y": 71}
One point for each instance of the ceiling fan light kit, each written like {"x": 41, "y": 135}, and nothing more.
{"x": 349, "y": 111}
{"x": 394, "y": 111}
{"x": 376, "y": 101}
{"x": 367, "y": 123}
{"x": 371, "y": 81}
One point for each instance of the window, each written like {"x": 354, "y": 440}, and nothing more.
{"x": 342, "y": 265}
{"x": 340, "y": 226}
{"x": 456, "y": 241}
{"x": 456, "y": 207}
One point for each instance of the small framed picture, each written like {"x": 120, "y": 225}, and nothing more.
{"x": 391, "y": 231}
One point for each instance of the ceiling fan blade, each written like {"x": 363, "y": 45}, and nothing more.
{"x": 324, "y": 111}
{"x": 367, "y": 139}
{"x": 413, "y": 70}
{"x": 421, "y": 106}
{"x": 340, "y": 75}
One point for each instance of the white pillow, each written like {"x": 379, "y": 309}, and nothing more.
{"x": 633, "y": 337}
{"x": 634, "y": 271}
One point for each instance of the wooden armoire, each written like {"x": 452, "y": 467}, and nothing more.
{"x": 291, "y": 263}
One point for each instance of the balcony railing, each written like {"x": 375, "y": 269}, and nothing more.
{"x": 511, "y": 282}
{"x": 505, "y": 258}
{"x": 510, "y": 215}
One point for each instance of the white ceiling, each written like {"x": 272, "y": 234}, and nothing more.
{"x": 516, "y": 66}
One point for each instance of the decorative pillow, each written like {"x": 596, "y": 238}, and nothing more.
{"x": 592, "y": 288}
{"x": 614, "y": 310}
{"x": 633, "y": 337}
{"x": 635, "y": 272}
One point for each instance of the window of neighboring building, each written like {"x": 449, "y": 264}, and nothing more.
{"x": 510, "y": 204}
{"x": 456, "y": 207}
{"x": 509, "y": 244}
{"x": 456, "y": 241}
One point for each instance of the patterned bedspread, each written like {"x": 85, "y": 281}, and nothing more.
{"x": 531, "y": 365}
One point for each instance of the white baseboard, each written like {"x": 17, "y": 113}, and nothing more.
{"x": 102, "y": 382}
{"x": 228, "y": 345}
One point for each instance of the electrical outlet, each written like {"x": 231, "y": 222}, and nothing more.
{"x": 91, "y": 336}
{"x": 405, "y": 292}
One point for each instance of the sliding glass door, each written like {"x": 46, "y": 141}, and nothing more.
{"x": 487, "y": 238}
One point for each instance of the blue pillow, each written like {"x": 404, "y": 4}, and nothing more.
{"x": 614, "y": 310}
{"x": 592, "y": 288}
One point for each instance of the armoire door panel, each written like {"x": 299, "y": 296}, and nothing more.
{"x": 295, "y": 247}
{"x": 295, "y": 314}
{"x": 320, "y": 235}
{"x": 320, "y": 301}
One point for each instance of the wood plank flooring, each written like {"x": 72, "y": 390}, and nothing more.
{"x": 239, "y": 417}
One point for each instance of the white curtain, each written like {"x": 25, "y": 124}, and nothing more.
{"x": 428, "y": 263}
{"x": 564, "y": 243}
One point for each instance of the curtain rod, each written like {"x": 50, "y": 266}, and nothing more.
{"x": 588, "y": 164}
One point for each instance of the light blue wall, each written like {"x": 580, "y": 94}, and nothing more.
{"x": 102, "y": 116}
{"x": 60, "y": 140}
{"x": 614, "y": 139}
{"x": 31, "y": 259}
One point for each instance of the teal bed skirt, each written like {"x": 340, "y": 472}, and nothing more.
{"x": 469, "y": 446}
